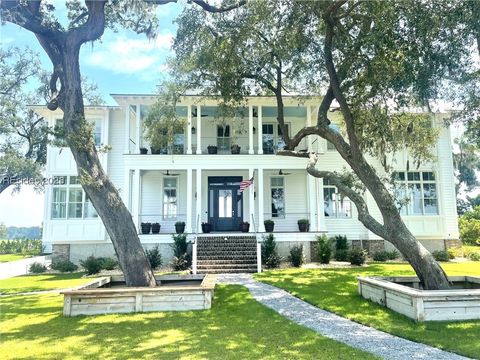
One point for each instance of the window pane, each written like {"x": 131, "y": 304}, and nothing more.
{"x": 428, "y": 176}
{"x": 59, "y": 198}
{"x": 170, "y": 182}
{"x": 58, "y": 211}
{"x": 329, "y": 201}
{"x": 277, "y": 181}
{"x": 415, "y": 204}
{"x": 414, "y": 176}
{"x": 399, "y": 176}
{"x": 169, "y": 197}
{"x": 344, "y": 207}
{"x": 74, "y": 210}
{"x": 430, "y": 198}
{"x": 75, "y": 195}
{"x": 225, "y": 208}
{"x": 74, "y": 180}
{"x": 89, "y": 210}
{"x": 59, "y": 195}
{"x": 278, "y": 202}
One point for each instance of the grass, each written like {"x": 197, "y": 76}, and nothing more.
{"x": 237, "y": 327}
{"x": 336, "y": 290}
{"x": 12, "y": 257}
{"x": 28, "y": 283}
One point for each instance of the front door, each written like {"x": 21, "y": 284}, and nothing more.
{"x": 225, "y": 203}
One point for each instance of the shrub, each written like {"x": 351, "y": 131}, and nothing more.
{"x": 469, "y": 226}
{"x": 474, "y": 256}
{"x": 154, "y": 257}
{"x": 452, "y": 253}
{"x": 324, "y": 249}
{"x": 180, "y": 223}
{"x": 393, "y": 255}
{"x": 92, "y": 265}
{"x": 341, "y": 242}
{"x": 341, "y": 255}
{"x": 64, "y": 266}
{"x": 441, "y": 255}
{"x": 269, "y": 252}
{"x": 109, "y": 263}
{"x": 37, "y": 268}
{"x": 268, "y": 222}
{"x": 181, "y": 258}
{"x": 296, "y": 255}
{"x": 380, "y": 255}
{"x": 357, "y": 256}
{"x": 302, "y": 221}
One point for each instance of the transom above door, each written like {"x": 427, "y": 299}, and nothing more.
{"x": 225, "y": 203}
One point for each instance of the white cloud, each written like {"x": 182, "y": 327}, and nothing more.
{"x": 124, "y": 55}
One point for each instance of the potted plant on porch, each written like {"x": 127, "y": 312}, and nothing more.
{"x": 143, "y": 151}
{"x": 235, "y": 149}
{"x": 269, "y": 225}
{"x": 206, "y": 227}
{"x": 180, "y": 227}
{"x": 155, "y": 228}
{"x": 245, "y": 226}
{"x": 212, "y": 149}
{"x": 146, "y": 227}
{"x": 303, "y": 225}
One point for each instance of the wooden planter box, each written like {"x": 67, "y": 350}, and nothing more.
{"x": 403, "y": 295}
{"x": 92, "y": 299}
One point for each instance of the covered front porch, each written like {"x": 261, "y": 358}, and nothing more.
{"x": 213, "y": 196}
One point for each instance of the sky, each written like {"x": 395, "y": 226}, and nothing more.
{"x": 121, "y": 62}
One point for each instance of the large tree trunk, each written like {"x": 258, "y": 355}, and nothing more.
{"x": 103, "y": 194}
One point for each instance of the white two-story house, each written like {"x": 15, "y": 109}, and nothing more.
{"x": 186, "y": 183}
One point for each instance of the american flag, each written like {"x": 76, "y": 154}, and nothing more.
{"x": 245, "y": 184}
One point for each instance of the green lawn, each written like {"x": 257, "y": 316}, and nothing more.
{"x": 237, "y": 327}
{"x": 336, "y": 290}
{"x": 12, "y": 257}
{"x": 41, "y": 282}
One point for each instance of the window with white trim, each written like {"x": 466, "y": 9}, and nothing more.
{"x": 69, "y": 201}
{"x": 335, "y": 205}
{"x": 277, "y": 192}
{"x": 223, "y": 137}
{"x": 272, "y": 138}
{"x": 169, "y": 197}
{"x": 59, "y": 129}
{"x": 419, "y": 188}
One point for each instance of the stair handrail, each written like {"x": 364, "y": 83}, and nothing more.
{"x": 259, "y": 245}
{"x": 194, "y": 247}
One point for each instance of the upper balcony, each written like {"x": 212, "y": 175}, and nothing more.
{"x": 253, "y": 130}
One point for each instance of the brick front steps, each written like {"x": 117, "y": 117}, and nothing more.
{"x": 226, "y": 254}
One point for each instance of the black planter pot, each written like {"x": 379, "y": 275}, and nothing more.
{"x": 155, "y": 151}
{"x": 146, "y": 227}
{"x": 245, "y": 227}
{"x": 269, "y": 227}
{"x": 143, "y": 151}
{"x": 206, "y": 228}
{"x": 155, "y": 228}
{"x": 212, "y": 149}
{"x": 303, "y": 227}
{"x": 180, "y": 228}
{"x": 235, "y": 149}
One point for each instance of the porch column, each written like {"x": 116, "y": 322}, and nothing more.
{"x": 251, "y": 200}
{"x": 260, "y": 130}
{"x": 189, "y": 221}
{"x": 138, "y": 123}
{"x": 136, "y": 198}
{"x": 260, "y": 188}
{"x": 189, "y": 131}
{"x": 250, "y": 130}
{"x": 198, "y": 212}
{"x": 309, "y": 123}
{"x": 321, "y": 226}
{"x": 127, "y": 129}
{"x": 127, "y": 189}
{"x": 199, "y": 129}
{"x": 312, "y": 196}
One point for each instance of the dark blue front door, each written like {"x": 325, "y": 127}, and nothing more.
{"x": 225, "y": 203}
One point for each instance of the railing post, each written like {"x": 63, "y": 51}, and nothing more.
{"x": 194, "y": 256}
{"x": 259, "y": 257}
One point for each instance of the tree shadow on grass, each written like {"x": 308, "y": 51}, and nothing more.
{"x": 237, "y": 327}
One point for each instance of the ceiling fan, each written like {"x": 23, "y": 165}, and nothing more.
{"x": 281, "y": 173}
{"x": 168, "y": 173}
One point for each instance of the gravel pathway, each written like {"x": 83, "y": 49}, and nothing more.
{"x": 333, "y": 326}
